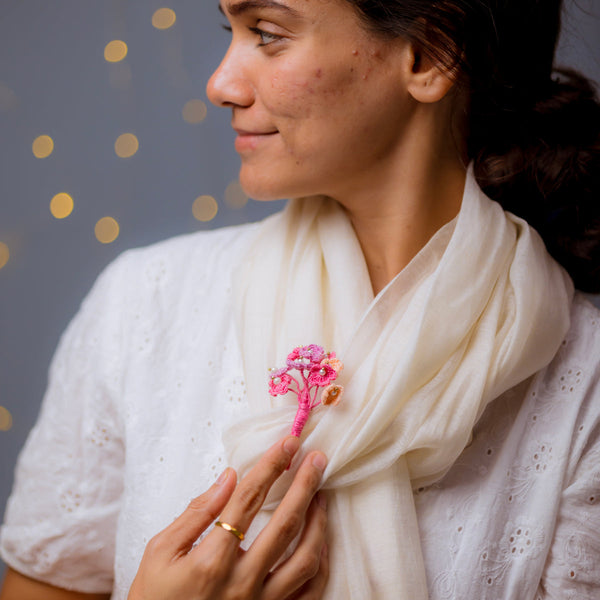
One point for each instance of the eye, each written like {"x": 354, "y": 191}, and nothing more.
{"x": 266, "y": 38}
{"x": 227, "y": 28}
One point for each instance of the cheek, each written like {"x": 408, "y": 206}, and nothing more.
{"x": 313, "y": 94}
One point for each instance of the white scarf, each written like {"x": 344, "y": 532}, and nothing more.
{"x": 478, "y": 310}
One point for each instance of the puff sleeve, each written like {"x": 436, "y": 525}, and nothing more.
{"x": 61, "y": 517}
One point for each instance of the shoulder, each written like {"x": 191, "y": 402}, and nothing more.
{"x": 168, "y": 266}
{"x": 567, "y": 391}
{"x": 228, "y": 239}
{"x": 583, "y": 338}
{"x": 575, "y": 370}
{"x": 573, "y": 376}
{"x": 147, "y": 289}
{"x": 194, "y": 252}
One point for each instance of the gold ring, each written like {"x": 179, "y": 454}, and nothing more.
{"x": 227, "y": 527}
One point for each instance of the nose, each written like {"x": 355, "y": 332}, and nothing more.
{"x": 230, "y": 85}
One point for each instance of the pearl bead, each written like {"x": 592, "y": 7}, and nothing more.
{"x": 322, "y": 372}
{"x": 277, "y": 380}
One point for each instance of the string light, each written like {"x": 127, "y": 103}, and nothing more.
{"x": 194, "y": 111}
{"x": 126, "y": 145}
{"x": 205, "y": 208}
{"x": 163, "y": 18}
{"x": 42, "y": 146}
{"x": 235, "y": 197}
{"x": 61, "y": 206}
{"x": 4, "y": 254}
{"x": 106, "y": 230}
{"x": 115, "y": 51}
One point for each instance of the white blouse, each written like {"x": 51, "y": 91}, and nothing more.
{"x": 149, "y": 373}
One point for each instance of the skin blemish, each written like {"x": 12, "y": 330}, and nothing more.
{"x": 319, "y": 74}
{"x": 354, "y": 52}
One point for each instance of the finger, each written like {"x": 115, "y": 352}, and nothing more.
{"x": 289, "y": 517}
{"x": 314, "y": 588}
{"x": 179, "y": 537}
{"x": 254, "y": 487}
{"x": 306, "y": 563}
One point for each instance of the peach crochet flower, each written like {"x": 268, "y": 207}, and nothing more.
{"x": 336, "y": 364}
{"x": 331, "y": 395}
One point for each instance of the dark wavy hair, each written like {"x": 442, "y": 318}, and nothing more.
{"x": 533, "y": 129}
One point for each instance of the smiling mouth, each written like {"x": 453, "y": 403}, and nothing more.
{"x": 244, "y": 132}
{"x": 251, "y": 140}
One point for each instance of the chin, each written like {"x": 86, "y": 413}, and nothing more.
{"x": 267, "y": 185}
{"x": 263, "y": 189}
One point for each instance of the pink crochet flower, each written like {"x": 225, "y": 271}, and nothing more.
{"x": 317, "y": 353}
{"x": 278, "y": 372}
{"x": 317, "y": 369}
{"x": 304, "y": 357}
{"x": 279, "y": 384}
{"x": 321, "y": 375}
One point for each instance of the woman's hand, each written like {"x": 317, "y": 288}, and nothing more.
{"x": 217, "y": 569}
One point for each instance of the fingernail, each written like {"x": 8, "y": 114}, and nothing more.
{"x": 291, "y": 445}
{"x": 222, "y": 477}
{"x": 320, "y": 461}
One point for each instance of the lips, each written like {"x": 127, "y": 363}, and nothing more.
{"x": 250, "y": 140}
{"x": 243, "y": 132}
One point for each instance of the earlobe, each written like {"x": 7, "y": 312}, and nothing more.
{"x": 428, "y": 81}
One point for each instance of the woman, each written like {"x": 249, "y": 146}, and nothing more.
{"x": 462, "y": 459}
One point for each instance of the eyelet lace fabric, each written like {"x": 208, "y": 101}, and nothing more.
{"x": 149, "y": 374}
{"x": 517, "y": 516}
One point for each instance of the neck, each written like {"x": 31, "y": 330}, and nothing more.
{"x": 398, "y": 209}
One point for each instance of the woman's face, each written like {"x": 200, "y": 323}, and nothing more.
{"x": 318, "y": 103}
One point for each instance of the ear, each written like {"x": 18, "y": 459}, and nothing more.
{"x": 428, "y": 81}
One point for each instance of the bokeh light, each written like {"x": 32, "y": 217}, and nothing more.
{"x": 115, "y": 51}
{"x": 205, "y": 208}
{"x": 42, "y": 146}
{"x": 4, "y": 254}
{"x": 106, "y": 230}
{"x": 235, "y": 197}
{"x": 126, "y": 145}
{"x": 6, "y": 419}
{"x": 61, "y": 206}
{"x": 163, "y": 18}
{"x": 194, "y": 111}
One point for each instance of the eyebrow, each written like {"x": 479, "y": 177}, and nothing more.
{"x": 237, "y": 8}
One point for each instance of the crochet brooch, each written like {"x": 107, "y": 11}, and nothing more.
{"x": 317, "y": 371}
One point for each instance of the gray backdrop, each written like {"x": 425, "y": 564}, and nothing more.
{"x": 54, "y": 80}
